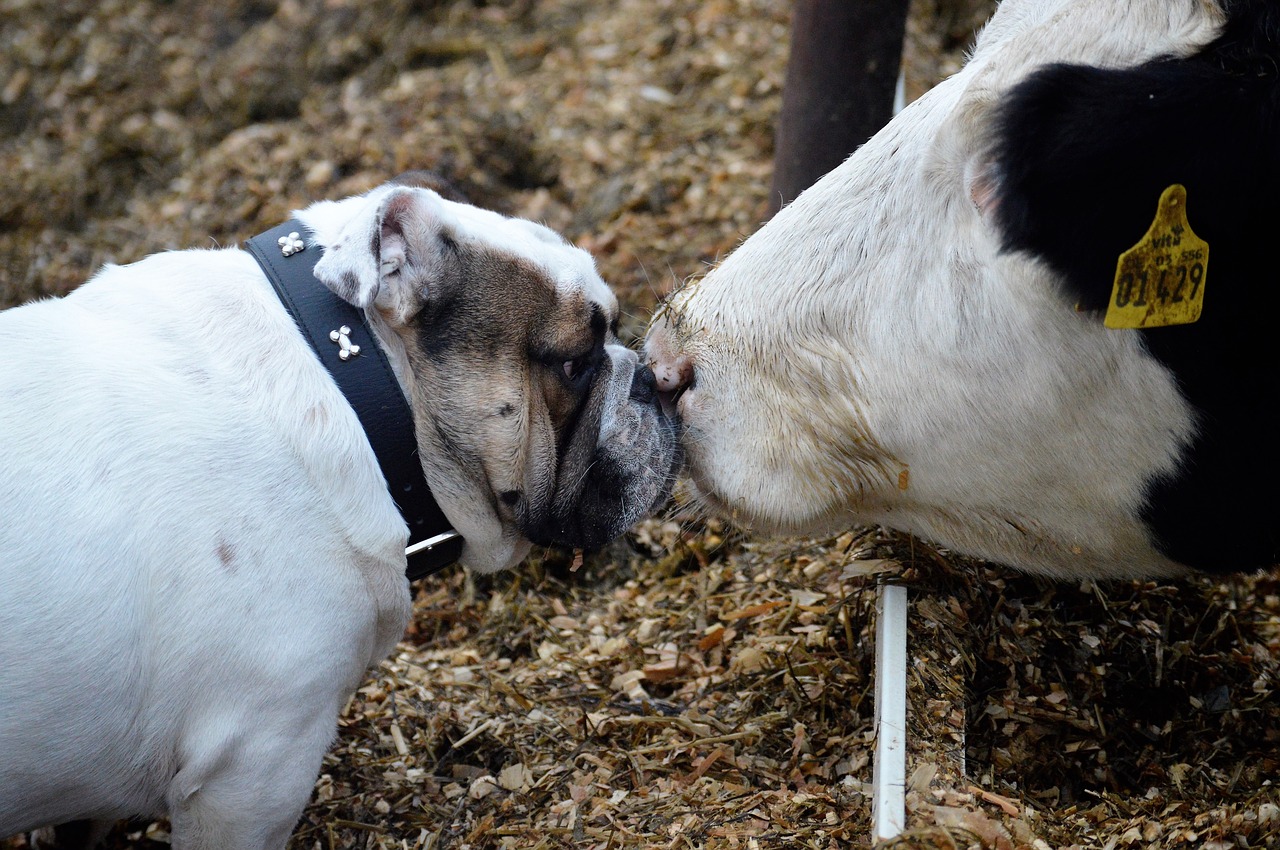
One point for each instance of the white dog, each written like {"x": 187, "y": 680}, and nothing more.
{"x": 948, "y": 334}
{"x": 200, "y": 557}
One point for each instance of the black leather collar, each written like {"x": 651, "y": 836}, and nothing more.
{"x": 333, "y": 326}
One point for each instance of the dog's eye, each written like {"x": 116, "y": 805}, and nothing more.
{"x": 576, "y": 368}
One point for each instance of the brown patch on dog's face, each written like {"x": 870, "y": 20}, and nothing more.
{"x": 499, "y": 347}
{"x": 570, "y": 344}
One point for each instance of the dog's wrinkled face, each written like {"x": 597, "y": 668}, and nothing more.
{"x": 535, "y": 424}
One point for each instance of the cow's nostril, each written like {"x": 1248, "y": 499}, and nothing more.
{"x": 673, "y": 374}
{"x": 672, "y": 368}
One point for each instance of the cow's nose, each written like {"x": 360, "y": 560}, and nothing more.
{"x": 672, "y": 369}
{"x": 674, "y": 374}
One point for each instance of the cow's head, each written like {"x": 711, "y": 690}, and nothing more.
{"x": 918, "y": 341}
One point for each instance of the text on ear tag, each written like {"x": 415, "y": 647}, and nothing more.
{"x": 1160, "y": 281}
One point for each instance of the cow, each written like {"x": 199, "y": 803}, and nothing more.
{"x": 1027, "y": 320}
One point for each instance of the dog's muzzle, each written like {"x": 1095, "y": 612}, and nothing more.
{"x": 629, "y": 473}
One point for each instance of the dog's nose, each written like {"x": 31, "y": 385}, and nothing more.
{"x": 644, "y": 386}
{"x": 672, "y": 369}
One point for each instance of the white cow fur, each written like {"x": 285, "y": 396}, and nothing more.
{"x": 869, "y": 356}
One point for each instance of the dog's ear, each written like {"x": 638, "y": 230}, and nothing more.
{"x": 386, "y": 257}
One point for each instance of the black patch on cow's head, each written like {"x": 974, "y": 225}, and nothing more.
{"x": 1081, "y": 156}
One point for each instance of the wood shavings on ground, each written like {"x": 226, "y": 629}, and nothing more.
{"x": 686, "y": 688}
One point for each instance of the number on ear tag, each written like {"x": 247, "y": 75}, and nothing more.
{"x": 1160, "y": 281}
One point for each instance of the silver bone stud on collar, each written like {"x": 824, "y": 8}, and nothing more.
{"x": 291, "y": 244}
{"x": 342, "y": 336}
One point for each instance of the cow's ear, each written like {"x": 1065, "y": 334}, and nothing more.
{"x": 967, "y": 139}
{"x": 388, "y": 255}
{"x": 982, "y": 185}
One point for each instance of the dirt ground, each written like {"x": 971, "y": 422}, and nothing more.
{"x": 688, "y": 687}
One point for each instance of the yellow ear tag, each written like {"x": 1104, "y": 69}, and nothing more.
{"x": 1160, "y": 281}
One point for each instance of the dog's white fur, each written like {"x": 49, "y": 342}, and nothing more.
{"x": 870, "y": 355}
{"x": 177, "y": 653}
{"x": 199, "y": 559}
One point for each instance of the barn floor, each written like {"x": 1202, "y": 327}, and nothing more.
{"x": 688, "y": 687}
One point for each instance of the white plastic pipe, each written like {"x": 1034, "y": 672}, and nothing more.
{"x": 889, "y": 777}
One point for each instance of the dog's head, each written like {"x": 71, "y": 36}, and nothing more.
{"x": 535, "y": 424}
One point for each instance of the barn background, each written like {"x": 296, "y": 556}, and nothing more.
{"x": 688, "y": 687}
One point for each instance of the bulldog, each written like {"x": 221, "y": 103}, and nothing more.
{"x": 200, "y": 556}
